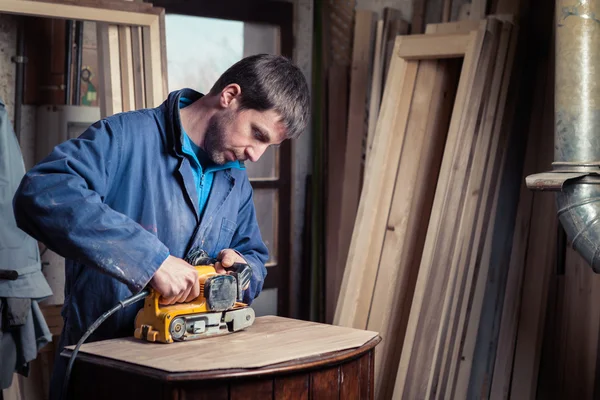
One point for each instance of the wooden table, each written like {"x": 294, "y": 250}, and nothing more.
{"x": 276, "y": 358}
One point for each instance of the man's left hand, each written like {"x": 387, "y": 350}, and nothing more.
{"x": 227, "y": 258}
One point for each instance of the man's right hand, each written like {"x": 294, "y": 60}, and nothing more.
{"x": 176, "y": 281}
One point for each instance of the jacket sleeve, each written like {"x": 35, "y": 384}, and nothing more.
{"x": 60, "y": 203}
{"x": 247, "y": 242}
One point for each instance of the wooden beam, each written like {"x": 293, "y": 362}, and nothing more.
{"x": 138, "y": 67}
{"x": 417, "y": 360}
{"x": 430, "y": 46}
{"x": 153, "y": 65}
{"x": 126, "y": 61}
{"x": 109, "y": 69}
{"x": 356, "y": 129}
{"x": 63, "y": 11}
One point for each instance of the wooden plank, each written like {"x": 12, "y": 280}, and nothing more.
{"x": 109, "y": 70}
{"x": 289, "y": 339}
{"x": 337, "y": 117}
{"x": 352, "y": 310}
{"x": 376, "y": 86}
{"x": 354, "y": 302}
{"x": 500, "y": 385}
{"x": 453, "y": 27}
{"x": 137, "y": 7}
{"x": 478, "y": 10}
{"x": 465, "y": 233}
{"x": 126, "y": 61}
{"x": 409, "y": 215}
{"x": 153, "y": 71}
{"x": 396, "y": 27}
{"x": 476, "y": 271}
{"x": 446, "y": 10}
{"x": 433, "y": 46}
{"x": 416, "y": 360}
{"x": 418, "y": 17}
{"x": 139, "y": 89}
{"x": 359, "y": 84}
{"x": 54, "y": 10}
{"x": 539, "y": 264}
{"x": 341, "y": 17}
{"x": 163, "y": 53}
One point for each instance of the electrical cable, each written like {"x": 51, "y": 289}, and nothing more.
{"x": 122, "y": 304}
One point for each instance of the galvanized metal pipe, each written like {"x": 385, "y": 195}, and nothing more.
{"x": 576, "y": 170}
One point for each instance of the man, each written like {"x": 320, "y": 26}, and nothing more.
{"x": 126, "y": 201}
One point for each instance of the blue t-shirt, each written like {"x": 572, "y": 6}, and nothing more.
{"x": 202, "y": 166}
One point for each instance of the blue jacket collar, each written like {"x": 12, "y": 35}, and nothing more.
{"x": 175, "y": 134}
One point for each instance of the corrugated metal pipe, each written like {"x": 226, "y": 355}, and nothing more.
{"x": 576, "y": 168}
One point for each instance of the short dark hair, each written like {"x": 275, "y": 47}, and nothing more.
{"x": 270, "y": 82}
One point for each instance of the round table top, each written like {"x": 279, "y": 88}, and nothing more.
{"x": 271, "y": 346}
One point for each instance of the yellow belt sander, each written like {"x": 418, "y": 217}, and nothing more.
{"x": 218, "y": 310}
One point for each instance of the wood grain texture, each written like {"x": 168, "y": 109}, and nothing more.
{"x": 348, "y": 377}
{"x": 110, "y": 96}
{"x": 409, "y": 214}
{"x": 433, "y": 46}
{"x": 215, "y": 391}
{"x": 251, "y": 390}
{"x": 357, "y": 285}
{"x": 126, "y": 61}
{"x": 139, "y": 89}
{"x": 336, "y": 131}
{"x": 356, "y": 129}
{"x": 472, "y": 271}
{"x": 324, "y": 385}
{"x": 293, "y": 387}
{"x": 153, "y": 67}
{"x": 367, "y": 373}
{"x": 350, "y": 381}
{"x": 425, "y": 315}
{"x": 288, "y": 339}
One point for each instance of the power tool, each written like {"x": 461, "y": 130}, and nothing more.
{"x": 218, "y": 310}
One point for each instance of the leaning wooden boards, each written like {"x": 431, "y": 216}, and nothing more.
{"x": 421, "y": 231}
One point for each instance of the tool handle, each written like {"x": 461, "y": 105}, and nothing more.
{"x": 8, "y": 275}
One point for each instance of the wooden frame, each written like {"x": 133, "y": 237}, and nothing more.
{"x": 369, "y": 289}
{"x": 280, "y": 14}
{"x": 411, "y": 219}
{"x": 114, "y": 18}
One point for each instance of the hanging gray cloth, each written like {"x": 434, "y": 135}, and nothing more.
{"x": 23, "y": 329}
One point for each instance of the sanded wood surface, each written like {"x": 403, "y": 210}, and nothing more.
{"x": 279, "y": 340}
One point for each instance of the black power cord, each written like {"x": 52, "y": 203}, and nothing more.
{"x": 122, "y": 304}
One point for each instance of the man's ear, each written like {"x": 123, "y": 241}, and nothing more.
{"x": 229, "y": 95}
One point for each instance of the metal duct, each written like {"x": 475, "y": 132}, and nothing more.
{"x": 576, "y": 167}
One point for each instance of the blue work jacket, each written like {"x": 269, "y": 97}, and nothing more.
{"x": 119, "y": 199}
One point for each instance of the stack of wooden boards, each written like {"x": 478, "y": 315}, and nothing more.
{"x": 360, "y": 55}
{"x": 418, "y": 261}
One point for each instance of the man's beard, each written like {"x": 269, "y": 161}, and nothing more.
{"x": 214, "y": 139}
